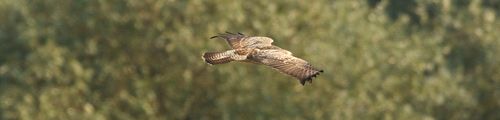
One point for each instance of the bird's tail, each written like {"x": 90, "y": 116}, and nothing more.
{"x": 214, "y": 58}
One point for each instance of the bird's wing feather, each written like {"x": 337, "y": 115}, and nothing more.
{"x": 240, "y": 40}
{"x": 249, "y": 41}
{"x": 287, "y": 64}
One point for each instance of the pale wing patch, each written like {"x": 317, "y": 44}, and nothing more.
{"x": 248, "y": 41}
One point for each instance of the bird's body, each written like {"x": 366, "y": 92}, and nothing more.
{"x": 260, "y": 51}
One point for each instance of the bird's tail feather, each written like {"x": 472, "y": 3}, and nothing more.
{"x": 214, "y": 58}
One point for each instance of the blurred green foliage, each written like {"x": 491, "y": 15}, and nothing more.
{"x": 134, "y": 59}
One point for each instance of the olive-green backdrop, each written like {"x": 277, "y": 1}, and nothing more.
{"x": 141, "y": 59}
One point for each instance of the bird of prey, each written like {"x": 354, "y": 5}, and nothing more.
{"x": 259, "y": 50}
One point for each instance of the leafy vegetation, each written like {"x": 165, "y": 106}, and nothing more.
{"x": 383, "y": 59}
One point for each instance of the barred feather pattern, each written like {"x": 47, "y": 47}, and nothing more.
{"x": 224, "y": 57}
{"x": 259, "y": 50}
{"x": 285, "y": 63}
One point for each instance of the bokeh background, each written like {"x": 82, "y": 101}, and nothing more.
{"x": 141, "y": 59}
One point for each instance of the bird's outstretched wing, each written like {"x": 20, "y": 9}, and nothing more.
{"x": 240, "y": 40}
{"x": 287, "y": 64}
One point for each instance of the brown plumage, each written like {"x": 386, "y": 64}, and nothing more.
{"x": 259, "y": 50}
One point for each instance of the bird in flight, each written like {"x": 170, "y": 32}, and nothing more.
{"x": 255, "y": 49}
